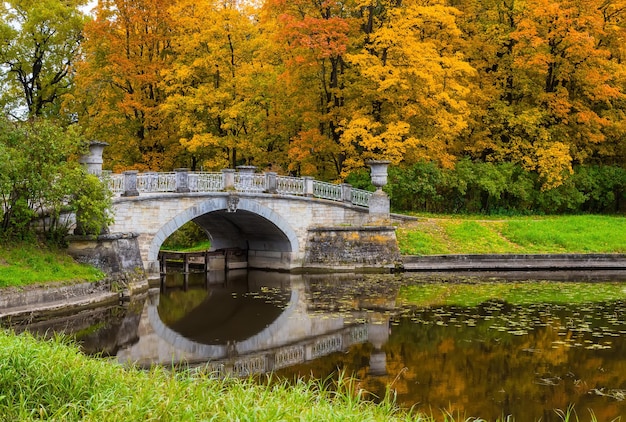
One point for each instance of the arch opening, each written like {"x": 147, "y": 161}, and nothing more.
{"x": 267, "y": 239}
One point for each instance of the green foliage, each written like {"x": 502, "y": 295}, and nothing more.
{"x": 416, "y": 187}
{"x": 360, "y": 179}
{"x": 504, "y": 189}
{"x": 40, "y": 43}
{"x": 187, "y": 237}
{"x": 603, "y": 187}
{"x": 91, "y": 203}
{"x": 40, "y": 179}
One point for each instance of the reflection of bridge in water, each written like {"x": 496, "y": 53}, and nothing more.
{"x": 220, "y": 332}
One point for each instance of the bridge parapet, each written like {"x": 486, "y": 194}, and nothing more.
{"x": 132, "y": 183}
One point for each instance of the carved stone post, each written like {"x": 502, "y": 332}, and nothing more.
{"x": 151, "y": 181}
{"x": 182, "y": 180}
{"x": 130, "y": 183}
{"x": 246, "y": 177}
{"x": 228, "y": 176}
{"x": 346, "y": 192}
{"x": 308, "y": 185}
{"x": 379, "y": 207}
{"x": 270, "y": 182}
{"x": 92, "y": 161}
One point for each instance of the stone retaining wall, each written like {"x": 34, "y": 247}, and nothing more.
{"x": 344, "y": 248}
{"x": 515, "y": 262}
{"x": 42, "y": 294}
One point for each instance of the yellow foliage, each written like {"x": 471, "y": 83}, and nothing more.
{"x": 554, "y": 164}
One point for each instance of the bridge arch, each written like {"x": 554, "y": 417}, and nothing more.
{"x": 235, "y": 221}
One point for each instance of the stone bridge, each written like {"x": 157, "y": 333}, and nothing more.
{"x": 281, "y": 222}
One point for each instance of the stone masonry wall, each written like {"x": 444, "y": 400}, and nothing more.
{"x": 352, "y": 247}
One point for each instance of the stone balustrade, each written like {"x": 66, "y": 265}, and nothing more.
{"x": 132, "y": 183}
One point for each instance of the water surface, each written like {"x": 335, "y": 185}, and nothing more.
{"x": 438, "y": 343}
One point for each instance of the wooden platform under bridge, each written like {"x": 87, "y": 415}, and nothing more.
{"x": 200, "y": 262}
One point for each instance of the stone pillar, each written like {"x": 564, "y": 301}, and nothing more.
{"x": 308, "y": 185}
{"x": 379, "y": 207}
{"x": 246, "y": 177}
{"x": 92, "y": 161}
{"x": 228, "y": 176}
{"x": 271, "y": 185}
{"x": 182, "y": 180}
{"x": 346, "y": 192}
{"x": 130, "y": 183}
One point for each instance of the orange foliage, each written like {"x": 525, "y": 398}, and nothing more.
{"x": 319, "y": 87}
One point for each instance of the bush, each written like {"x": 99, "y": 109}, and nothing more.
{"x": 504, "y": 188}
{"x": 189, "y": 235}
{"x": 40, "y": 179}
{"x": 416, "y": 187}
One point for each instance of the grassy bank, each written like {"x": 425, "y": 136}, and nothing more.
{"x": 54, "y": 381}
{"x": 25, "y": 264}
{"x": 480, "y": 235}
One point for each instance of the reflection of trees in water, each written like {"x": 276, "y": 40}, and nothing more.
{"x": 494, "y": 360}
{"x": 176, "y": 303}
{"x": 451, "y": 363}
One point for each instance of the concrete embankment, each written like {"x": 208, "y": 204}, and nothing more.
{"x": 516, "y": 262}
{"x": 35, "y": 303}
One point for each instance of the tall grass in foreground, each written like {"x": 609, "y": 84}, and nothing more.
{"x": 25, "y": 264}
{"x": 53, "y": 380}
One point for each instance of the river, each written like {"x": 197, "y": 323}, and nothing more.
{"x": 483, "y": 346}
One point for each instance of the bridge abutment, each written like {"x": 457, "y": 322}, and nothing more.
{"x": 352, "y": 248}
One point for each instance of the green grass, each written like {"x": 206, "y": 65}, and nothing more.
{"x": 589, "y": 233}
{"x": 53, "y": 380}
{"x": 27, "y": 264}
{"x": 199, "y": 247}
{"x": 557, "y": 234}
{"x": 515, "y": 293}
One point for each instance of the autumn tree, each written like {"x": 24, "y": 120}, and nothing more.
{"x": 218, "y": 87}
{"x": 373, "y": 79}
{"x": 315, "y": 37}
{"x": 118, "y": 96}
{"x": 40, "y": 46}
{"x": 553, "y": 85}
{"x": 413, "y": 81}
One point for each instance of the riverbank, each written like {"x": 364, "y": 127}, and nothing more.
{"x": 70, "y": 386}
